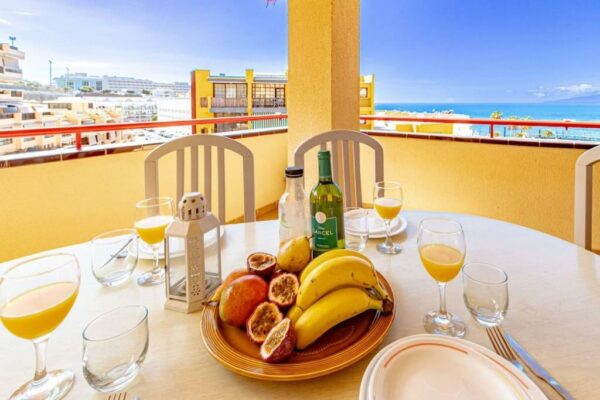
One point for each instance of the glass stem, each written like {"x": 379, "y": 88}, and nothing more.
{"x": 156, "y": 259}
{"x": 442, "y": 288}
{"x": 388, "y": 233}
{"x": 40, "y": 360}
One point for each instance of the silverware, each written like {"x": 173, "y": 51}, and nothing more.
{"x": 117, "y": 396}
{"x": 502, "y": 347}
{"x": 118, "y": 254}
{"x": 536, "y": 368}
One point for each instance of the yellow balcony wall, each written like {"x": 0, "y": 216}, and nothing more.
{"x": 55, "y": 204}
{"x": 447, "y": 129}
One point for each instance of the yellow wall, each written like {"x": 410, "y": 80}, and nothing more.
{"x": 55, "y": 204}
{"x": 523, "y": 185}
{"x": 203, "y": 89}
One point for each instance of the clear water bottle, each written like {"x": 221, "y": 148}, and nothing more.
{"x": 294, "y": 208}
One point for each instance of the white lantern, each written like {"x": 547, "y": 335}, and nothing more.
{"x": 192, "y": 255}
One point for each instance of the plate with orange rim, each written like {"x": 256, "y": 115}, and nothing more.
{"x": 340, "y": 347}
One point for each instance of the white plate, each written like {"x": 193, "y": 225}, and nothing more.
{"x": 434, "y": 367}
{"x": 145, "y": 251}
{"x": 398, "y": 226}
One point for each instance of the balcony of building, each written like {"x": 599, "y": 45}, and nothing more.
{"x": 273, "y": 104}
{"x": 229, "y": 104}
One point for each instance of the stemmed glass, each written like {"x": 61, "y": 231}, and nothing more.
{"x": 153, "y": 217}
{"x": 387, "y": 200}
{"x": 442, "y": 249}
{"x": 485, "y": 293}
{"x": 35, "y": 297}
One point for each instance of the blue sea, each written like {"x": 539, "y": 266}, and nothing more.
{"x": 539, "y": 111}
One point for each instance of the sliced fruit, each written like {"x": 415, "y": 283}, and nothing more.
{"x": 236, "y": 273}
{"x": 328, "y": 256}
{"x": 261, "y": 264}
{"x": 332, "y": 309}
{"x": 263, "y": 319}
{"x": 279, "y": 343}
{"x": 240, "y": 298}
{"x": 283, "y": 289}
{"x": 294, "y": 254}
{"x": 334, "y": 274}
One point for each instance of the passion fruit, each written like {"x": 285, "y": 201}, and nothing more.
{"x": 261, "y": 264}
{"x": 279, "y": 343}
{"x": 265, "y": 316}
{"x": 283, "y": 289}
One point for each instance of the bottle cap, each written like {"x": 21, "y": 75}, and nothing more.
{"x": 294, "y": 172}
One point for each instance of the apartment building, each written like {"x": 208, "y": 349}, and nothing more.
{"x": 79, "y": 80}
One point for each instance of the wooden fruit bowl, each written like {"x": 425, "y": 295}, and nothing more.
{"x": 341, "y": 346}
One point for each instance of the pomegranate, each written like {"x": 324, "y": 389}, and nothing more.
{"x": 283, "y": 289}
{"x": 240, "y": 298}
{"x": 261, "y": 264}
{"x": 263, "y": 319}
{"x": 279, "y": 343}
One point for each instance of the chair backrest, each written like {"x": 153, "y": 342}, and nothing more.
{"x": 207, "y": 141}
{"x": 348, "y": 143}
{"x": 583, "y": 197}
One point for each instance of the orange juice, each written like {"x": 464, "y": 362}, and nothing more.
{"x": 387, "y": 208}
{"x": 152, "y": 229}
{"x": 38, "y": 312}
{"x": 441, "y": 261}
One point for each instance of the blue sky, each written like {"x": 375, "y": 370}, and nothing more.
{"x": 419, "y": 50}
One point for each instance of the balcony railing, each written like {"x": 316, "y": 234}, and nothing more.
{"x": 13, "y": 70}
{"x": 234, "y": 102}
{"x": 268, "y": 102}
{"x": 27, "y": 116}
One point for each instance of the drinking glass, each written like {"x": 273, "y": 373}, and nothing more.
{"x": 485, "y": 293}
{"x": 114, "y": 348}
{"x": 356, "y": 224}
{"x": 153, "y": 216}
{"x": 114, "y": 256}
{"x": 442, "y": 249}
{"x": 387, "y": 201}
{"x": 35, "y": 297}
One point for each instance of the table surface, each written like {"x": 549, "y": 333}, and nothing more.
{"x": 554, "y": 313}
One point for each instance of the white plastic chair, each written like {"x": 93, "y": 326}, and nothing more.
{"x": 583, "y": 197}
{"x": 207, "y": 141}
{"x": 349, "y": 141}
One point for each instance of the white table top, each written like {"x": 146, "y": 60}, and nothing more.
{"x": 554, "y": 312}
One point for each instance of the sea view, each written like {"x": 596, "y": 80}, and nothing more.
{"x": 537, "y": 111}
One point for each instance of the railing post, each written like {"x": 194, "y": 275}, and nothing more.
{"x": 78, "y": 141}
{"x": 492, "y": 131}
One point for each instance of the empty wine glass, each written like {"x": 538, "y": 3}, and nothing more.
{"x": 485, "y": 293}
{"x": 114, "y": 256}
{"x": 356, "y": 225}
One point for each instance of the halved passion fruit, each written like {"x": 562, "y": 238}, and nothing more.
{"x": 283, "y": 289}
{"x": 261, "y": 264}
{"x": 265, "y": 316}
{"x": 279, "y": 343}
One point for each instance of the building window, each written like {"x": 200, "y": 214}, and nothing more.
{"x": 85, "y": 83}
{"x": 268, "y": 90}
{"x": 204, "y": 102}
{"x": 98, "y": 85}
{"x": 364, "y": 92}
{"x": 219, "y": 89}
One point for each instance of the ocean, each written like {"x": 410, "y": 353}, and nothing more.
{"x": 539, "y": 111}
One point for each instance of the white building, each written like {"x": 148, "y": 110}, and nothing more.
{"x": 119, "y": 84}
{"x": 174, "y": 109}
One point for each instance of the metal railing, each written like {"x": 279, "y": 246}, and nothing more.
{"x": 78, "y": 130}
{"x": 234, "y": 102}
{"x": 272, "y": 102}
{"x": 491, "y": 123}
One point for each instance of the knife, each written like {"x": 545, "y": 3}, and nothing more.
{"x": 537, "y": 369}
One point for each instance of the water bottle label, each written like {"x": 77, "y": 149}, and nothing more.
{"x": 325, "y": 232}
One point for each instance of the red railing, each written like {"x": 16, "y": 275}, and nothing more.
{"x": 79, "y": 129}
{"x": 487, "y": 121}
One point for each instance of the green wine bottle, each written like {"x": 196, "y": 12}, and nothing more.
{"x": 326, "y": 210}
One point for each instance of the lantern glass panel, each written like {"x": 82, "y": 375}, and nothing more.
{"x": 211, "y": 260}
{"x": 177, "y": 267}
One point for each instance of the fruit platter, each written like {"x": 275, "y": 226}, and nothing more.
{"x": 289, "y": 317}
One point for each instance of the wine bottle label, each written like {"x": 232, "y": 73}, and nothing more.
{"x": 325, "y": 232}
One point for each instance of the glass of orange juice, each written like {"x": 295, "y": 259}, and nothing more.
{"x": 442, "y": 248}
{"x": 35, "y": 297}
{"x": 387, "y": 201}
{"x": 153, "y": 217}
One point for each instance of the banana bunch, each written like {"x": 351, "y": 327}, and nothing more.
{"x": 335, "y": 287}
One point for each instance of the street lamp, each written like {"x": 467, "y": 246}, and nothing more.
{"x": 12, "y": 40}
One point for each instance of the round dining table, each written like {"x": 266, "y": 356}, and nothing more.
{"x": 554, "y": 313}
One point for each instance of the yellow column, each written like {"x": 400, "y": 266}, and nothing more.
{"x": 249, "y": 83}
{"x": 324, "y": 68}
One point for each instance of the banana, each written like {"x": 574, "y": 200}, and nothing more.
{"x": 334, "y": 274}
{"x": 330, "y": 310}
{"x": 328, "y": 256}
{"x": 294, "y": 313}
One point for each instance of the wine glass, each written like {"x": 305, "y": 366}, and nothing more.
{"x": 442, "y": 249}
{"x": 485, "y": 293}
{"x": 35, "y": 297}
{"x": 387, "y": 200}
{"x": 153, "y": 217}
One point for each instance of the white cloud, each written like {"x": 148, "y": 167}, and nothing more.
{"x": 4, "y": 22}
{"x": 577, "y": 89}
{"x": 574, "y": 90}
{"x": 24, "y": 13}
